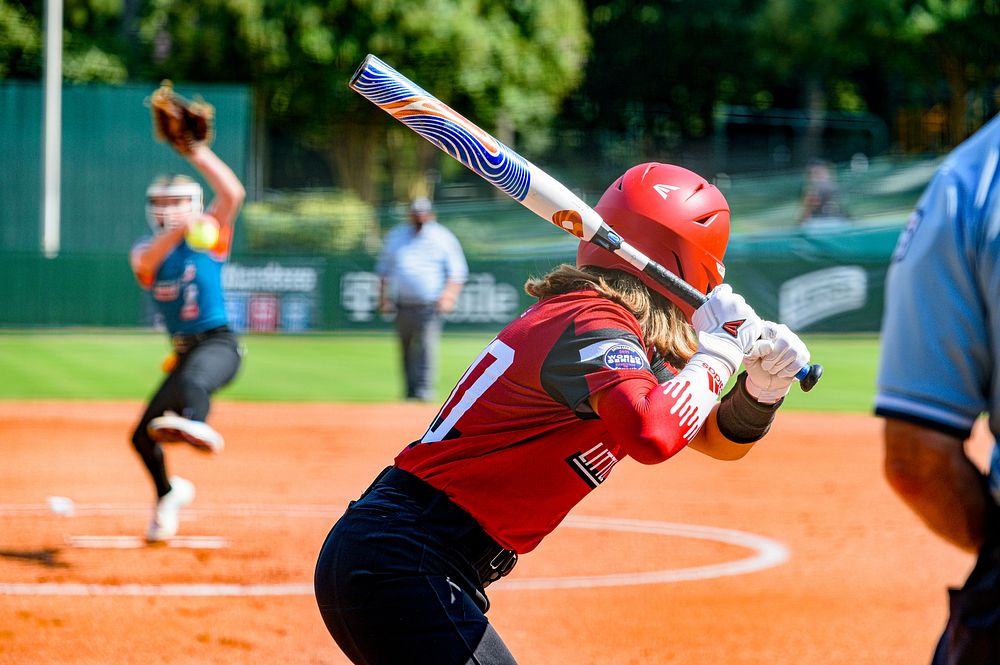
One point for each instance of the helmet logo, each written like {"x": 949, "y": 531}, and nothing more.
{"x": 732, "y": 327}
{"x": 664, "y": 190}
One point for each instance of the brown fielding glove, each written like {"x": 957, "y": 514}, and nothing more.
{"x": 182, "y": 123}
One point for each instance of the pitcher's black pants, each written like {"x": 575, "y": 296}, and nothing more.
{"x": 207, "y": 366}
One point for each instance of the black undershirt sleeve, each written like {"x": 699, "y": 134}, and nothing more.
{"x": 661, "y": 370}
{"x": 575, "y": 356}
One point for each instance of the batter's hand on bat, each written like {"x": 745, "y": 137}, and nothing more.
{"x": 773, "y": 362}
{"x": 727, "y": 328}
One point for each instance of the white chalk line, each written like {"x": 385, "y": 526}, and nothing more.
{"x": 767, "y": 553}
{"x": 231, "y": 510}
{"x": 136, "y": 542}
{"x": 203, "y": 590}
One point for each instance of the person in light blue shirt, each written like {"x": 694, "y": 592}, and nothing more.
{"x": 940, "y": 370}
{"x": 421, "y": 272}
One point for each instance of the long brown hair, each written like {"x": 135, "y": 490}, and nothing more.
{"x": 664, "y": 327}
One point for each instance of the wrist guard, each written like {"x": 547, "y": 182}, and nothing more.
{"x": 741, "y": 418}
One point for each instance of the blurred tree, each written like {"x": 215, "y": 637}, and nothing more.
{"x": 821, "y": 49}
{"x": 657, "y": 72}
{"x": 20, "y": 42}
{"x": 508, "y": 65}
{"x": 961, "y": 38}
{"x": 91, "y": 40}
{"x": 309, "y": 221}
{"x": 660, "y": 67}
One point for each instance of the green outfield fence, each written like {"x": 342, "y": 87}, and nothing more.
{"x": 817, "y": 280}
{"x": 822, "y": 281}
{"x": 109, "y": 156}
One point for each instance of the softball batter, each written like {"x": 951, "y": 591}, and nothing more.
{"x": 605, "y": 366}
{"x": 184, "y": 277}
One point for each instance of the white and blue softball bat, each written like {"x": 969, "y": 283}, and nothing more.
{"x": 513, "y": 175}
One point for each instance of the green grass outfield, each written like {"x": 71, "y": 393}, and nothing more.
{"x": 104, "y": 365}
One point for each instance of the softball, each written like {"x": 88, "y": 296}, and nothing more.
{"x": 203, "y": 234}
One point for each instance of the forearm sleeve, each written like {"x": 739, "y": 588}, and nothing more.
{"x": 742, "y": 419}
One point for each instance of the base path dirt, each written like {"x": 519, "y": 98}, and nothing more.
{"x": 799, "y": 553}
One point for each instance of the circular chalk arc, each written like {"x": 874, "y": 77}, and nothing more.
{"x": 765, "y": 553}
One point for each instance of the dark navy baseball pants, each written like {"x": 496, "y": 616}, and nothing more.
{"x": 393, "y": 586}
{"x": 972, "y": 634}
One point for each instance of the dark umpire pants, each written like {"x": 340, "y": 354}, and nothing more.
{"x": 419, "y": 328}
{"x": 209, "y": 362}
{"x": 972, "y": 636}
{"x": 395, "y": 581}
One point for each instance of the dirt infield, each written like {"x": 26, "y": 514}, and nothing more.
{"x": 797, "y": 554}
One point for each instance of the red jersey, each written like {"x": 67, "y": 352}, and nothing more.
{"x": 517, "y": 444}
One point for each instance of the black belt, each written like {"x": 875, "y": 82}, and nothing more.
{"x": 490, "y": 559}
{"x": 183, "y": 343}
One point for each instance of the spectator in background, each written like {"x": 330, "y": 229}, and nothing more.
{"x": 940, "y": 369}
{"x": 821, "y": 199}
{"x": 421, "y": 272}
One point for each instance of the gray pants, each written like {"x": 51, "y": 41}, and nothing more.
{"x": 419, "y": 328}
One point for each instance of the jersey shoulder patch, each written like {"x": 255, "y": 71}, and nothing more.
{"x": 615, "y": 351}
{"x": 578, "y": 356}
{"x": 623, "y": 355}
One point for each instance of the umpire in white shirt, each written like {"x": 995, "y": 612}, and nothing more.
{"x": 421, "y": 272}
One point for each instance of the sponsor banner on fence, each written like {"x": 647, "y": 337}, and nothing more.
{"x": 816, "y": 282}
{"x": 822, "y": 294}
{"x": 483, "y": 300}
{"x": 274, "y": 297}
{"x": 820, "y": 281}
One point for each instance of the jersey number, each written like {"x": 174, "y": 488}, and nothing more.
{"x": 190, "y": 309}
{"x": 482, "y": 373}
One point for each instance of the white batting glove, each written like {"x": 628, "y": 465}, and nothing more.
{"x": 727, "y": 329}
{"x": 773, "y": 362}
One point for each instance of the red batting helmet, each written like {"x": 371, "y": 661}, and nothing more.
{"x": 673, "y": 216}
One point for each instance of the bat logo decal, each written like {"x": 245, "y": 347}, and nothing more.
{"x": 569, "y": 220}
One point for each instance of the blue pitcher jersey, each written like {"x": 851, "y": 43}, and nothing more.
{"x": 188, "y": 291}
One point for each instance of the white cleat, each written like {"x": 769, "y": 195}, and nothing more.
{"x": 171, "y": 428}
{"x": 166, "y": 516}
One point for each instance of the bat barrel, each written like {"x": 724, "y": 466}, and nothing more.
{"x": 444, "y": 127}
